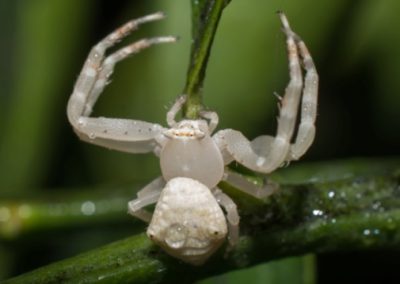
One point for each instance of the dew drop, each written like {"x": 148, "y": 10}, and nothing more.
{"x": 376, "y": 205}
{"x": 366, "y": 232}
{"x": 175, "y": 244}
{"x": 88, "y": 208}
{"x": 317, "y": 212}
{"x": 176, "y": 236}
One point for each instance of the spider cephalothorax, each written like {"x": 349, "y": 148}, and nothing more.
{"x": 191, "y": 152}
{"x": 188, "y": 221}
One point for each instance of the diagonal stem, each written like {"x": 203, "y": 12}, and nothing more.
{"x": 205, "y": 18}
{"x": 351, "y": 205}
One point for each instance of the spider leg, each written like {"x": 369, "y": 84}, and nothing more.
{"x": 93, "y": 64}
{"x": 212, "y": 116}
{"x": 266, "y": 153}
{"x": 120, "y": 134}
{"x": 248, "y": 187}
{"x": 176, "y": 107}
{"x": 109, "y": 62}
{"x": 231, "y": 215}
{"x": 306, "y": 131}
{"x": 220, "y": 141}
{"x": 146, "y": 196}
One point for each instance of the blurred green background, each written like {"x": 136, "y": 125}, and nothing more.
{"x": 43, "y": 44}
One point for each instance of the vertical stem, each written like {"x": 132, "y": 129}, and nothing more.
{"x": 205, "y": 19}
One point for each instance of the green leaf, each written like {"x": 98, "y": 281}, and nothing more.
{"x": 43, "y": 48}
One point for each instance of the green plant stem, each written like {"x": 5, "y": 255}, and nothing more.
{"x": 205, "y": 18}
{"x": 329, "y": 210}
{"x": 64, "y": 209}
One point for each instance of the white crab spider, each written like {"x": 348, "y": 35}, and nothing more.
{"x": 188, "y": 221}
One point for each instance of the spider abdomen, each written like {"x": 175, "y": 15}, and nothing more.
{"x": 188, "y": 222}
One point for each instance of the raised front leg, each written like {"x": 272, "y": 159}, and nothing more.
{"x": 146, "y": 196}
{"x": 306, "y": 131}
{"x": 265, "y": 153}
{"x": 119, "y": 134}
